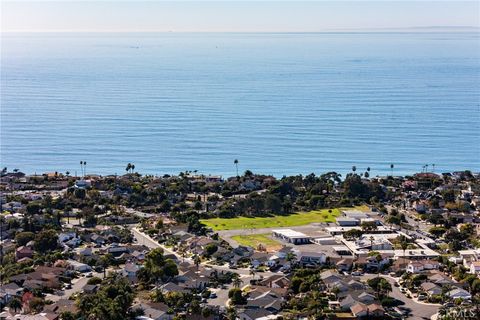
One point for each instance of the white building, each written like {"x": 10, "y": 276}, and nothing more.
{"x": 291, "y": 236}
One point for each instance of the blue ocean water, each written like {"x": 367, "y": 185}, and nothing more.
{"x": 279, "y": 103}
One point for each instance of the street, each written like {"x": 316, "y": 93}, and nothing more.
{"x": 416, "y": 310}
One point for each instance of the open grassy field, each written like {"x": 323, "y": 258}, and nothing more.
{"x": 253, "y": 240}
{"x": 292, "y": 220}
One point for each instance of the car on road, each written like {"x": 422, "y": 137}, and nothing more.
{"x": 213, "y": 295}
{"x": 89, "y": 275}
{"x": 357, "y": 273}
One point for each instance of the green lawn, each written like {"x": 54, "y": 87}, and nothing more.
{"x": 253, "y": 240}
{"x": 292, "y": 220}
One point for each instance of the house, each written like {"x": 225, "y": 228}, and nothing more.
{"x": 171, "y": 287}
{"x": 419, "y": 266}
{"x": 130, "y": 271}
{"x": 275, "y": 281}
{"x": 347, "y": 221}
{"x": 97, "y": 239}
{"x": 259, "y": 258}
{"x": 459, "y": 293}
{"x": 359, "y": 310}
{"x": 90, "y": 288}
{"x": 344, "y": 264}
{"x": 312, "y": 258}
{"x": 8, "y": 291}
{"x": 23, "y": 252}
{"x": 78, "y": 266}
{"x": 253, "y": 314}
{"x": 62, "y": 305}
{"x": 475, "y": 267}
{"x": 375, "y": 310}
{"x": 431, "y": 288}
{"x": 154, "y": 311}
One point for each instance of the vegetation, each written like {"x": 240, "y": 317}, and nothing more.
{"x": 111, "y": 302}
{"x": 261, "y": 242}
{"x": 296, "y": 219}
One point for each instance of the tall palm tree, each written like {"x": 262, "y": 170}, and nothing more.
{"x": 354, "y": 168}
{"x": 404, "y": 245}
{"x": 252, "y": 273}
{"x": 196, "y": 261}
{"x": 133, "y": 167}
{"x": 81, "y": 167}
{"x": 391, "y": 168}
{"x": 236, "y": 165}
{"x": 433, "y": 167}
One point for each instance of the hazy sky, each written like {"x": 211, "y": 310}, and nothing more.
{"x": 231, "y": 15}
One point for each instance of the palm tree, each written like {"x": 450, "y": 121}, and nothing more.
{"x": 236, "y": 165}
{"x": 129, "y": 166}
{"x": 404, "y": 245}
{"x": 433, "y": 167}
{"x": 196, "y": 261}
{"x": 252, "y": 273}
{"x": 354, "y": 168}
{"x": 391, "y": 168}
{"x": 236, "y": 281}
{"x": 81, "y": 167}
{"x": 133, "y": 167}
{"x": 15, "y": 303}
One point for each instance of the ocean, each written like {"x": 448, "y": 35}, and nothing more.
{"x": 280, "y": 103}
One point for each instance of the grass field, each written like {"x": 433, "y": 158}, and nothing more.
{"x": 292, "y": 220}
{"x": 253, "y": 240}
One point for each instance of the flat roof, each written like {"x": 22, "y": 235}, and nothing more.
{"x": 290, "y": 233}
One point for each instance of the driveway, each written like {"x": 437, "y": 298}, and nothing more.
{"x": 77, "y": 285}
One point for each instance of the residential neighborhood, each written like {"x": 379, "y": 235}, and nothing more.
{"x": 195, "y": 246}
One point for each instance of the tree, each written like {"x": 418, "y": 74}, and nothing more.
{"x": 353, "y": 234}
{"x": 34, "y": 208}
{"x": 22, "y": 238}
{"x": 46, "y": 240}
{"x": 156, "y": 267}
{"x": 67, "y": 315}
{"x": 381, "y": 286}
{"x": 369, "y": 225}
{"x": 391, "y": 168}
{"x": 236, "y": 165}
{"x": 354, "y": 168}
{"x": 112, "y": 301}
{"x": 236, "y": 281}
{"x": 15, "y": 304}
{"x": 252, "y": 272}
{"x": 236, "y": 296}
{"x": 197, "y": 261}
{"x": 404, "y": 245}
{"x": 211, "y": 248}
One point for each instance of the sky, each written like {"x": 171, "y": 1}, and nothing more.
{"x": 234, "y": 16}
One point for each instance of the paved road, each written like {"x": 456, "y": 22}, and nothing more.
{"x": 416, "y": 310}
